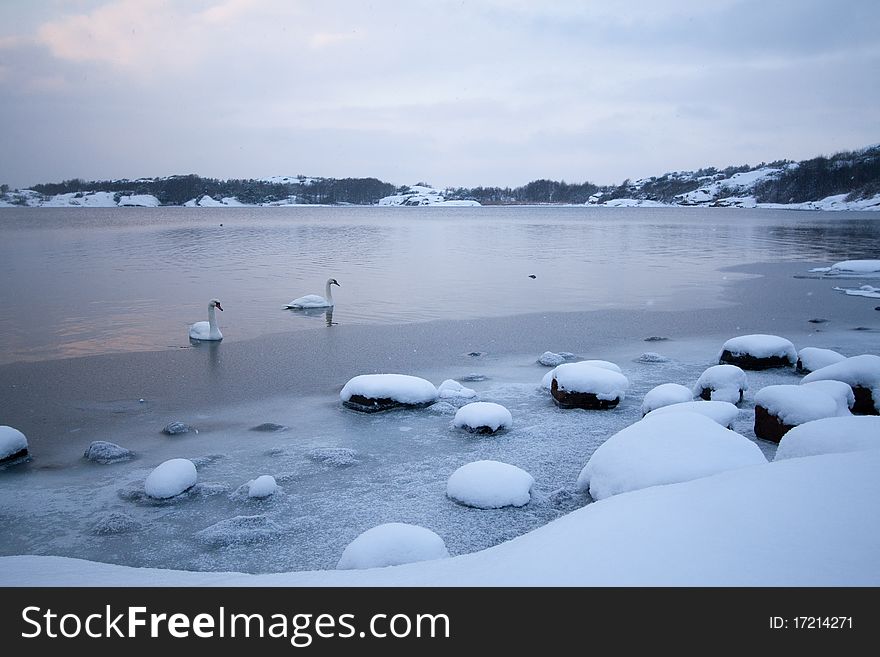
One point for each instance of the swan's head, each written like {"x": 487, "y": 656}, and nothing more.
{"x": 333, "y": 281}
{"x": 215, "y": 303}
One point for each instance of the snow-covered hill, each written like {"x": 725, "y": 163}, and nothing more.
{"x": 422, "y": 195}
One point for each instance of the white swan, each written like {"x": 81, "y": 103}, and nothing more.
{"x": 207, "y": 330}
{"x": 316, "y": 300}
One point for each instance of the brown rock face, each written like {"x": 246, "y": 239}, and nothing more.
{"x": 864, "y": 401}
{"x": 20, "y": 454}
{"x": 588, "y": 400}
{"x": 375, "y": 405}
{"x": 768, "y": 426}
{"x": 749, "y": 362}
{"x": 706, "y": 393}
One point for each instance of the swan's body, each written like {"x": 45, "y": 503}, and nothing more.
{"x": 207, "y": 330}
{"x": 316, "y": 300}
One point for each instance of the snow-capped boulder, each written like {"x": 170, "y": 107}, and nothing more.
{"x": 13, "y": 444}
{"x": 830, "y": 435}
{"x": 664, "y": 395}
{"x": 451, "y": 389}
{"x": 665, "y": 449}
{"x": 262, "y": 487}
{"x": 724, "y": 413}
{"x": 547, "y": 380}
{"x": 104, "y": 452}
{"x": 175, "y": 428}
{"x": 839, "y": 391}
{"x": 171, "y": 478}
{"x": 490, "y": 485}
{"x": 813, "y": 358}
{"x": 370, "y": 393}
{"x": 721, "y": 383}
{"x": 551, "y": 359}
{"x": 482, "y": 417}
{"x": 780, "y": 408}
{"x": 758, "y": 352}
{"x": 586, "y": 385}
{"x": 862, "y": 374}
{"x": 392, "y": 544}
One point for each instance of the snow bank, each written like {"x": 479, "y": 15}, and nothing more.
{"x": 653, "y": 537}
{"x": 796, "y": 404}
{"x": 482, "y": 417}
{"x": 400, "y": 388}
{"x": 262, "y": 487}
{"x": 813, "y": 358}
{"x": 490, "y": 485}
{"x": 12, "y": 441}
{"x": 830, "y": 435}
{"x": 758, "y": 350}
{"x": 392, "y": 544}
{"x": 664, "y": 395}
{"x": 171, "y": 478}
{"x": 451, "y": 389}
{"x": 722, "y": 383}
{"x": 665, "y": 449}
{"x": 722, "y": 412}
{"x": 588, "y": 376}
{"x": 839, "y": 391}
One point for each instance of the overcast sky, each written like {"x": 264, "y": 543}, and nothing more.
{"x": 453, "y": 93}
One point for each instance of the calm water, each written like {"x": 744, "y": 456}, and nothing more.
{"x": 88, "y": 281}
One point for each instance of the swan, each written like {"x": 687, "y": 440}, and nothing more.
{"x": 207, "y": 330}
{"x": 316, "y": 300}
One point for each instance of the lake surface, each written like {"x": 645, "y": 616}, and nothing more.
{"x": 81, "y": 282}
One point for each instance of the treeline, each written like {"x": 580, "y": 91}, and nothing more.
{"x": 537, "y": 191}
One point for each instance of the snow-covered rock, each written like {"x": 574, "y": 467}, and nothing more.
{"x": 779, "y": 408}
{"x": 335, "y": 457}
{"x": 490, "y": 485}
{"x": 664, "y": 395}
{"x": 422, "y": 195}
{"x": 813, "y": 358}
{"x": 171, "y": 478}
{"x": 113, "y": 522}
{"x": 551, "y": 359}
{"x": 587, "y": 385}
{"x": 378, "y": 392}
{"x": 855, "y": 267}
{"x": 175, "y": 428}
{"x": 758, "y": 352}
{"x": 262, "y": 487}
{"x": 139, "y": 200}
{"x": 839, "y": 391}
{"x": 102, "y": 451}
{"x": 547, "y": 380}
{"x": 482, "y": 417}
{"x": 665, "y": 449}
{"x": 721, "y": 383}
{"x": 724, "y": 413}
{"x": 392, "y": 544}
{"x": 862, "y": 374}
{"x": 652, "y": 357}
{"x": 451, "y": 389}
{"x": 830, "y": 435}
{"x": 13, "y": 444}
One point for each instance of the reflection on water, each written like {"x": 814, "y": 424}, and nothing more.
{"x": 88, "y": 281}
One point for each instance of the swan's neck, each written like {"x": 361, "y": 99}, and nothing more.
{"x": 327, "y": 293}
{"x": 212, "y": 318}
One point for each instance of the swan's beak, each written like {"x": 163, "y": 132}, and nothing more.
{"x": 336, "y": 284}
{"x": 219, "y": 307}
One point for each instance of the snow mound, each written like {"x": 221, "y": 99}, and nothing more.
{"x": 102, "y": 451}
{"x": 171, "y": 478}
{"x": 839, "y": 391}
{"x": 812, "y": 358}
{"x": 664, "y": 395}
{"x": 12, "y": 443}
{"x": 139, "y": 200}
{"x": 586, "y": 376}
{"x": 796, "y": 404}
{"x": 335, "y": 457}
{"x": 482, "y": 417}
{"x": 262, "y": 487}
{"x": 551, "y": 359}
{"x": 830, "y": 435}
{"x": 855, "y": 267}
{"x": 721, "y": 383}
{"x": 385, "y": 390}
{"x": 451, "y": 389}
{"x": 665, "y": 449}
{"x": 490, "y": 485}
{"x": 758, "y": 351}
{"x": 859, "y": 372}
{"x": 722, "y": 412}
{"x": 392, "y": 544}
{"x": 547, "y": 380}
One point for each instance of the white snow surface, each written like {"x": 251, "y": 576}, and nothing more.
{"x": 814, "y": 358}
{"x": 725, "y": 382}
{"x": 795, "y": 404}
{"x": 665, "y": 449}
{"x": 832, "y": 435}
{"x": 262, "y": 487}
{"x": 651, "y": 537}
{"x": 490, "y": 485}
{"x": 451, "y": 389}
{"x": 586, "y": 376}
{"x": 839, "y": 391}
{"x": 722, "y": 412}
{"x": 483, "y": 414}
{"x": 11, "y": 441}
{"x": 421, "y": 195}
{"x": 139, "y": 200}
{"x": 392, "y": 544}
{"x": 856, "y": 267}
{"x": 761, "y": 345}
{"x": 664, "y": 395}
{"x": 171, "y": 478}
{"x": 403, "y": 388}
{"x": 863, "y": 291}
{"x": 863, "y": 371}
{"x": 551, "y": 359}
